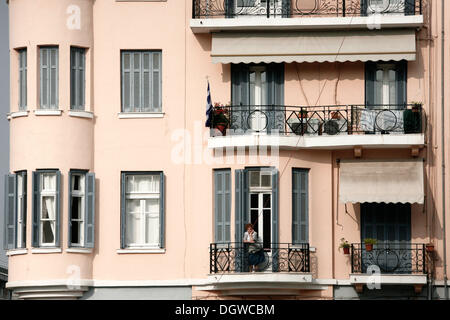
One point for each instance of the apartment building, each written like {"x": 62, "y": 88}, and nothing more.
{"x": 323, "y": 132}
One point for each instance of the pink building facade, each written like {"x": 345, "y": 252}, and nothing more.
{"x": 325, "y": 129}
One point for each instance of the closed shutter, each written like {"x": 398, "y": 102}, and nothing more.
{"x": 401, "y": 77}
{"x": 58, "y": 209}
{"x": 241, "y": 217}
{"x": 240, "y": 96}
{"x": 300, "y": 206}
{"x": 49, "y": 78}
{"x": 90, "y": 211}
{"x": 275, "y": 98}
{"x": 77, "y": 78}
{"x": 162, "y": 211}
{"x": 23, "y": 79}
{"x": 370, "y": 74}
{"x": 36, "y": 209}
{"x": 222, "y": 206}
{"x": 10, "y": 212}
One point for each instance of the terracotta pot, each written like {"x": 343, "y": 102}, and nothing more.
{"x": 346, "y": 250}
{"x": 221, "y": 128}
{"x": 369, "y": 246}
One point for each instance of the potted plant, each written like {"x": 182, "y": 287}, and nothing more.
{"x": 416, "y": 106}
{"x": 369, "y": 243}
{"x": 220, "y": 118}
{"x": 429, "y": 247}
{"x": 336, "y": 115}
{"x": 345, "y": 246}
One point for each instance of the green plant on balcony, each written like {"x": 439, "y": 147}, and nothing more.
{"x": 369, "y": 242}
{"x": 345, "y": 246}
{"x": 416, "y": 105}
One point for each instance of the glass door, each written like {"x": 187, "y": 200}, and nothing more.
{"x": 258, "y": 119}
{"x": 261, "y": 216}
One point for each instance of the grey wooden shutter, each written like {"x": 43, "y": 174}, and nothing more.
{"x": 401, "y": 76}
{"x": 229, "y": 8}
{"x": 23, "y": 79}
{"x": 241, "y": 217}
{"x": 222, "y": 206}
{"x": 286, "y": 8}
{"x": 156, "y": 99}
{"x": 10, "y": 212}
{"x": 370, "y": 73}
{"x": 49, "y": 77}
{"x": 58, "y": 209}
{"x": 36, "y": 209}
{"x": 123, "y": 210}
{"x": 126, "y": 81}
{"x": 299, "y": 206}
{"x": 240, "y": 96}
{"x": 69, "y": 233}
{"x": 275, "y": 98}
{"x": 77, "y": 78}
{"x": 275, "y": 219}
{"x": 90, "y": 211}
{"x": 410, "y": 7}
{"x": 162, "y": 211}
{"x": 23, "y": 213}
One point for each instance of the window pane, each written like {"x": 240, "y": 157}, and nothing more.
{"x": 77, "y": 183}
{"x": 48, "y": 181}
{"x": 48, "y": 228}
{"x": 152, "y": 206}
{"x": 143, "y": 183}
{"x": 133, "y": 217}
{"x": 254, "y": 179}
{"x": 48, "y": 208}
{"x": 266, "y": 180}
{"x": 156, "y": 89}
{"x": 152, "y": 230}
{"x": 76, "y": 208}
{"x": 75, "y": 235}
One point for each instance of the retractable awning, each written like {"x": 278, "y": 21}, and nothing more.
{"x": 390, "y": 181}
{"x": 329, "y": 46}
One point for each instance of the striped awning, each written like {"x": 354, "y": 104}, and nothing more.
{"x": 329, "y": 46}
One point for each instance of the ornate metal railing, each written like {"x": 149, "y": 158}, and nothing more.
{"x": 321, "y": 120}
{"x": 279, "y": 257}
{"x": 389, "y": 258}
{"x": 306, "y": 8}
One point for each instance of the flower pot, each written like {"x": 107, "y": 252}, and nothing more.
{"x": 369, "y": 247}
{"x": 346, "y": 250}
{"x": 221, "y": 127}
{"x": 429, "y": 247}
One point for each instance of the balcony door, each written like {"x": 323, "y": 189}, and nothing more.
{"x": 390, "y": 225}
{"x": 257, "y": 98}
{"x": 388, "y": 7}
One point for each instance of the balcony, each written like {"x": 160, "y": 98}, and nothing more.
{"x": 286, "y": 268}
{"x": 389, "y": 263}
{"x": 321, "y": 127}
{"x": 221, "y": 15}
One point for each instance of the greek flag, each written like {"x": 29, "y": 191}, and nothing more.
{"x": 209, "y": 108}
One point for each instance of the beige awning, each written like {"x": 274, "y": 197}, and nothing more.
{"x": 393, "y": 181}
{"x": 330, "y": 46}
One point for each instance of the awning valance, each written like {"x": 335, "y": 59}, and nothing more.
{"x": 393, "y": 181}
{"x": 258, "y": 47}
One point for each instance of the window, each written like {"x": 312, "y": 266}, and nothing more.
{"x": 300, "y": 222}
{"x": 22, "y": 79}
{"x": 222, "y": 205}
{"x": 141, "y": 81}
{"x": 46, "y": 208}
{"x": 16, "y": 210}
{"x": 81, "y": 209}
{"x": 142, "y": 210}
{"x": 49, "y": 77}
{"x": 77, "y": 78}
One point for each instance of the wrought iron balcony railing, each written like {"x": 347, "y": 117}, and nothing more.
{"x": 278, "y": 257}
{"x": 302, "y": 8}
{"x": 321, "y": 120}
{"x": 389, "y": 258}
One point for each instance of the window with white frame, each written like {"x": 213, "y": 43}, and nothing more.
{"x": 77, "y": 209}
{"x": 142, "y": 214}
{"x": 48, "y": 193}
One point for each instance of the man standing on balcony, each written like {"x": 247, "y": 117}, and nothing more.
{"x": 256, "y": 254}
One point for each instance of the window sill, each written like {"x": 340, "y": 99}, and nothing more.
{"x": 46, "y": 250}
{"x": 47, "y": 112}
{"x": 81, "y": 114}
{"x": 16, "y": 252}
{"x": 143, "y": 250}
{"x": 140, "y": 115}
{"x": 18, "y": 114}
{"x": 79, "y": 250}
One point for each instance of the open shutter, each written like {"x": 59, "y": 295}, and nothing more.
{"x": 222, "y": 203}
{"x": 36, "y": 209}
{"x": 10, "y": 212}
{"x": 240, "y": 96}
{"x": 229, "y": 8}
{"x": 401, "y": 83}
{"x": 275, "y": 219}
{"x": 370, "y": 83}
{"x": 123, "y": 211}
{"x": 90, "y": 211}
{"x": 58, "y": 209}
{"x": 23, "y": 213}
{"x": 410, "y": 7}
{"x": 286, "y": 8}
{"x": 299, "y": 206}
{"x": 162, "y": 211}
{"x": 275, "y": 98}
{"x": 241, "y": 218}
{"x": 69, "y": 215}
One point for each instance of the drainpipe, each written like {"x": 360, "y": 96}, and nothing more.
{"x": 444, "y": 238}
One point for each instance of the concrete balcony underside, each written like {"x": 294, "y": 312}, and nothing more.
{"x": 207, "y": 25}
{"x": 336, "y": 142}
